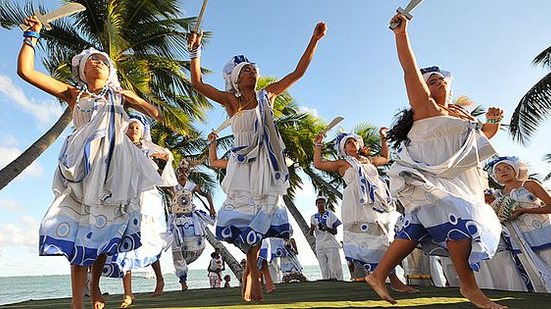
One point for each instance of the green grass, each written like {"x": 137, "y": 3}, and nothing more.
{"x": 309, "y": 295}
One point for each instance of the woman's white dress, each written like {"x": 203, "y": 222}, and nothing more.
{"x": 529, "y": 239}
{"x": 97, "y": 186}
{"x": 439, "y": 180}
{"x": 367, "y": 228}
{"x": 255, "y": 181}
{"x": 153, "y": 222}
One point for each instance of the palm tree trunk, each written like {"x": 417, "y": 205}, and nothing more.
{"x": 233, "y": 264}
{"x": 10, "y": 171}
{"x": 323, "y": 182}
{"x": 301, "y": 222}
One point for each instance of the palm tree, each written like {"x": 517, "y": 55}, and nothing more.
{"x": 535, "y": 105}
{"x": 14, "y": 168}
{"x": 147, "y": 41}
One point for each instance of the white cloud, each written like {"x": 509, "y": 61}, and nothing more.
{"x": 310, "y": 110}
{"x": 10, "y": 205}
{"x": 22, "y": 234}
{"x": 44, "y": 112}
{"x": 8, "y": 154}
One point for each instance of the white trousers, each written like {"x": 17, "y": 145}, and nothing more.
{"x": 330, "y": 263}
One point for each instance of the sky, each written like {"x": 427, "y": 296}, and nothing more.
{"x": 487, "y": 45}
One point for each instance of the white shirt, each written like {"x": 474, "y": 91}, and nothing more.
{"x": 324, "y": 239}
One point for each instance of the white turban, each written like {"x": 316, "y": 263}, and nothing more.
{"x": 428, "y": 72}
{"x": 231, "y": 72}
{"x": 340, "y": 142}
{"x": 520, "y": 168}
{"x": 79, "y": 62}
{"x": 144, "y": 125}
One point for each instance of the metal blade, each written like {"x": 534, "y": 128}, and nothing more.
{"x": 412, "y": 5}
{"x": 200, "y": 18}
{"x": 63, "y": 11}
{"x": 332, "y": 124}
{"x": 222, "y": 126}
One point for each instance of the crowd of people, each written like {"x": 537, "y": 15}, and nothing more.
{"x": 108, "y": 214}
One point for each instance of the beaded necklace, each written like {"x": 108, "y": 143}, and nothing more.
{"x": 100, "y": 95}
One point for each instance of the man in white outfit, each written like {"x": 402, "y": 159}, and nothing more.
{"x": 324, "y": 223}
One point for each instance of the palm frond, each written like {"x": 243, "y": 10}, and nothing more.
{"x": 532, "y": 109}
{"x": 544, "y": 58}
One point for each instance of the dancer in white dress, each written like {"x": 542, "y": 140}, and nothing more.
{"x": 438, "y": 179}
{"x": 153, "y": 226}
{"x": 100, "y": 172}
{"x": 366, "y": 205}
{"x": 257, "y": 176}
{"x": 504, "y": 271}
{"x": 291, "y": 268}
{"x": 524, "y": 208}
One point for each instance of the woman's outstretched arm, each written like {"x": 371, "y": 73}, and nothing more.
{"x": 284, "y": 83}
{"x": 26, "y": 70}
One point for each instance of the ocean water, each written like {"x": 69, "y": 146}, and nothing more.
{"x": 18, "y": 289}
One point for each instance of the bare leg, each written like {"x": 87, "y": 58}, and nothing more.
{"x": 95, "y": 292}
{"x": 395, "y": 253}
{"x": 399, "y": 286}
{"x": 269, "y": 283}
{"x": 128, "y": 297}
{"x": 160, "y": 280}
{"x": 253, "y": 290}
{"x": 459, "y": 253}
{"x": 78, "y": 279}
{"x": 245, "y": 283}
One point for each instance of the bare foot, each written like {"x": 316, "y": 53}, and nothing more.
{"x": 480, "y": 300}
{"x": 270, "y": 288}
{"x": 184, "y": 286}
{"x": 379, "y": 287}
{"x": 158, "y": 289}
{"x": 98, "y": 302}
{"x": 127, "y": 301}
{"x": 398, "y": 286}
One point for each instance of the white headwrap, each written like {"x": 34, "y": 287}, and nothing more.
{"x": 79, "y": 62}
{"x": 520, "y": 168}
{"x": 144, "y": 125}
{"x": 231, "y": 72}
{"x": 428, "y": 72}
{"x": 340, "y": 142}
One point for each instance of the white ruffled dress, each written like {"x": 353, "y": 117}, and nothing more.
{"x": 254, "y": 207}
{"x": 97, "y": 186}
{"x": 439, "y": 180}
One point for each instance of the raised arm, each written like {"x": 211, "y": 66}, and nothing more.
{"x": 213, "y": 157}
{"x": 384, "y": 158}
{"x": 494, "y": 116}
{"x": 284, "y": 83}
{"x": 26, "y": 70}
{"x": 417, "y": 90}
{"x": 207, "y": 90}
{"x": 329, "y": 166}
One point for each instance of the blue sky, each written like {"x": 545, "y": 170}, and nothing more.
{"x": 487, "y": 45}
